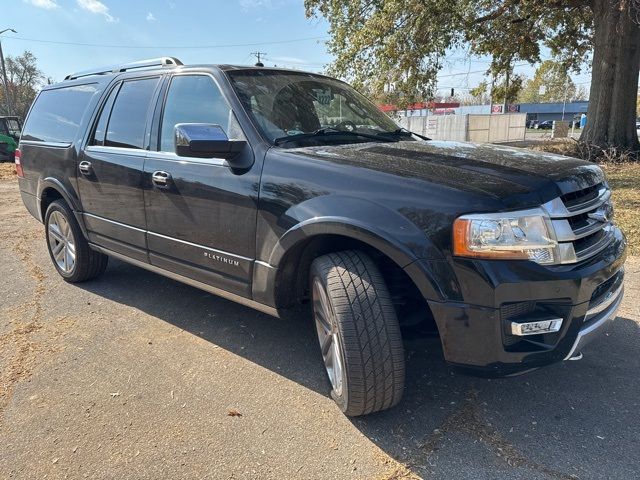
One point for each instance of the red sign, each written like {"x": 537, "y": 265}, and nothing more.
{"x": 496, "y": 109}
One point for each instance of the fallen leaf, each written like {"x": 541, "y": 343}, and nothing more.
{"x": 232, "y": 412}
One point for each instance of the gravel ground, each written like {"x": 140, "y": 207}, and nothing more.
{"x": 137, "y": 376}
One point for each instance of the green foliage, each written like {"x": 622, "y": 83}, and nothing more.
{"x": 500, "y": 90}
{"x": 398, "y": 46}
{"x": 550, "y": 83}
{"x": 24, "y": 82}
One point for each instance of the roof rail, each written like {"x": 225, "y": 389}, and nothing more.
{"x": 151, "y": 62}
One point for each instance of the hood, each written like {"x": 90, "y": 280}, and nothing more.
{"x": 499, "y": 171}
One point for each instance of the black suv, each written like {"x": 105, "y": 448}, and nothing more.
{"x": 274, "y": 188}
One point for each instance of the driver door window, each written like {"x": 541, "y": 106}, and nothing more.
{"x": 194, "y": 99}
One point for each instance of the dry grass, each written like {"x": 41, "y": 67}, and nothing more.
{"x": 7, "y": 171}
{"x": 625, "y": 182}
{"x": 624, "y": 178}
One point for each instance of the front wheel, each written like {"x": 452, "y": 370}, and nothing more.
{"x": 358, "y": 332}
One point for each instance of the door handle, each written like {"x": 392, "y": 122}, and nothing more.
{"x": 161, "y": 179}
{"x": 85, "y": 168}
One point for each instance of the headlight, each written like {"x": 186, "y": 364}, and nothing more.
{"x": 525, "y": 235}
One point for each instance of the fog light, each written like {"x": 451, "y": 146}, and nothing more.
{"x": 535, "y": 328}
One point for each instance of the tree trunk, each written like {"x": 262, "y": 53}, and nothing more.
{"x": 611, "y": 118}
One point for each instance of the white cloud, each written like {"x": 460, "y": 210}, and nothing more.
{"x": 46, "y": 4}
{"x": 151, "y": 17}
{"x": 96, "y": 6}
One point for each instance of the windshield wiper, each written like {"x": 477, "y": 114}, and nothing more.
{"x": 403, "y": 131}
{"x": 330, "y": 131}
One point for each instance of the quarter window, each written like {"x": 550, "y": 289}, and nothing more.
{"x": 194, "y": 99}
{"x": 57, "y": 113}
{"x": 127, "y": 123}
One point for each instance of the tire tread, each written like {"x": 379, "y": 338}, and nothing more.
{"x": 372, "y": 343}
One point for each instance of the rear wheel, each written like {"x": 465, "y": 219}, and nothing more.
{"x": 70, "y": 253}
{"x": 358, "y": 332}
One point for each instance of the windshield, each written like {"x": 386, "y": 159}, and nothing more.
{"x": 289, "y": 103}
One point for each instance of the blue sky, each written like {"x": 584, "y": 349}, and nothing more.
{"x": 166, "y": 26}
{"x": 127, "y": 30}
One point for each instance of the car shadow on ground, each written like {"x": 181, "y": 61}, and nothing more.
{"x": 552, "y": 423}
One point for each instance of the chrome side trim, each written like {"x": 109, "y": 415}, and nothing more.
{"x": 220, "y": 252}
{"x": 264, "y": 264}
{"x": 172, "y": 157}
{"x": 607, "y": 314}
{"x": 138, "y": 152}
{"x": 114, "y": 222}
{"x": 247, "y": 302}
{"x": 42, "y": 143}
{"x": 184, "y": 242}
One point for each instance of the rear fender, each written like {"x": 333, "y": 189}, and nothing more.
{"x": 55, "y": 184}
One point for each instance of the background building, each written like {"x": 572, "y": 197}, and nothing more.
{"x": 534, "y": 111}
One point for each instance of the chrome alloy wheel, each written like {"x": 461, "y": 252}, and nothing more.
{"x": 328, "y": 336}
{"x": 61, "y": 242}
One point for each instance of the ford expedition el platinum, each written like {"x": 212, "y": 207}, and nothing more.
{"x": 273, "y": 188}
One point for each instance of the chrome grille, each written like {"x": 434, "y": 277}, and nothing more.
{"x": 582, "y": 222}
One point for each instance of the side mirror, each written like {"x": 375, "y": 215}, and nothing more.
{"x": 205, "y": 140}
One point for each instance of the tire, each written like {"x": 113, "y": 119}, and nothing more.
{"x": 70, "y": 253}
{"x": 360, "y": 330}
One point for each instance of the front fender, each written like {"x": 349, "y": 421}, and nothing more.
{"x": 377, "y": 225}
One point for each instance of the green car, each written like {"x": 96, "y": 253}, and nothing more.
{"x": 10, "y": 128}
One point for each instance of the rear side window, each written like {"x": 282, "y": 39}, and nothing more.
{"x": 56, "y": 115}
{"x": 126, "y": 126}
{"x": 101, "y": 128}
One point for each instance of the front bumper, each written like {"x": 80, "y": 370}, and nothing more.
{"x": 477, "y": 330}
{"x": 597, "y": 317}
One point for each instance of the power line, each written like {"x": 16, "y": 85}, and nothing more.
{"x": 78, "y": 44}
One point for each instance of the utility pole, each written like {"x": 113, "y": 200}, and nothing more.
{"x": 258, "y": 55}
{"x": 7, "y": 92}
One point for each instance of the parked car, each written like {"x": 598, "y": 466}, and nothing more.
{"x": 546, "y": 125}
{"x": 9, "y": 136}
{"x": 223, "y": 177}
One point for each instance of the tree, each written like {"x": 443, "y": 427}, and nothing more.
{"x": 404, "y": 42}
{"x": 24, "y": 81}
{"x": 550, "y": 83}
{"x": 500, "y": 91}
